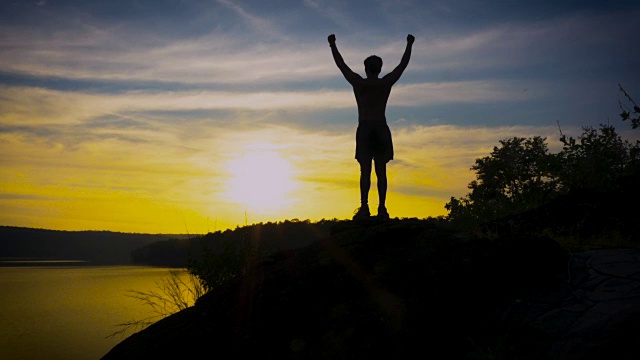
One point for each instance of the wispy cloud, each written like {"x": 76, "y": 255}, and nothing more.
{"x": 329, "y": 11}
{"x": 36, "y": 106}
{"x": 261, "y": 25}
{"x": 123, "y": 53}
{"x": 460, "y": 92}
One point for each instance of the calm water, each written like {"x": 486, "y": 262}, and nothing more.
{"x": 68, "y": 312}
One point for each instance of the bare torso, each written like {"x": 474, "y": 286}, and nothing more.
{"x": 372, "y": 95}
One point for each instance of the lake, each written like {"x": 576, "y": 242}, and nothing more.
{"x": 68, "y": 312}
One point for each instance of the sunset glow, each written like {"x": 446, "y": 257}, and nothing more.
{"x": 194, "y": 116}
{"x": 261, "y": 181}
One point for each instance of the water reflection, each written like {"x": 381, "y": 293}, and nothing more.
{"x": 68, "y": 312}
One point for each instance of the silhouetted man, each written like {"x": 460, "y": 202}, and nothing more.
{"x": 373, "y": 137}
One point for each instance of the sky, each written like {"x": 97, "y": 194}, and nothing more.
{"x": 197, "y": 116}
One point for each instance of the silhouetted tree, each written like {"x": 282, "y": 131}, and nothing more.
{"x": 217, "y": 258}
{"x": 595, "y": 160}
{"x": 215, "y": 268}
{"x": 633, "y": 115}
{"x": 515, "y": 177}
{"x": 630, "y": 112}
{"x": 521, "y": 174}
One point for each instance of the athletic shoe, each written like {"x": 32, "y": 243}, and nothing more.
{"x": 362, "y": 213}
{"x": 382, "y": 213}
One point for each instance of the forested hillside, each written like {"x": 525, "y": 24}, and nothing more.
{"x": 96, "y": 247}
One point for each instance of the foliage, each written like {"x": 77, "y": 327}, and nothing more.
{"x": 516, "y": 176}
{"x": 216, "y": 268}
{"x": 228, "y": 254}
{"x": 596, "y": 159}
{"x": 628, "y": 113}
{"x": 269, "y": 236}
{"x": 173, "y": 295}
{"x": 521, "y": 174}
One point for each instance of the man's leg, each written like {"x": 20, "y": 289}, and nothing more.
{"x": 365, "y": 182}
{"x": 381, "y": 175}
{"x": 365, "y": 185}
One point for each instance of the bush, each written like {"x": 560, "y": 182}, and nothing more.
{"x": 216, "y": 268}
{"x": 521, "y": 174}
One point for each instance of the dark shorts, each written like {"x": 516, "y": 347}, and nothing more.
{"x": 373, "y": 141}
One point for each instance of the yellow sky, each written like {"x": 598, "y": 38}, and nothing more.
{"x": 187, "y": 176}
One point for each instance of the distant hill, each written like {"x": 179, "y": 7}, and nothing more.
{"x": 96, "y": 247}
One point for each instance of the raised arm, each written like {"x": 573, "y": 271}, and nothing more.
{"x": 351, "y": 77}
{"x": 394, "y": 75}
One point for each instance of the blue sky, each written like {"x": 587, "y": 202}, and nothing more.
{"x": 133, "y": 107}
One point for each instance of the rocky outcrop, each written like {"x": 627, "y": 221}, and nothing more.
{"x": 407, "y": 288}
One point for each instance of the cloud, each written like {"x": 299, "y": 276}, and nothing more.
{"x": 331, "y": 12}
{"x": 465, "y": 92}
{"x": 28, "y": 105}
{"x": 202, "y": 61}
{"x": 125, "y": 53}
{"x": 260, "y": 25}
{"x": 563, "y": 42}
{"x": 26, "y": 197}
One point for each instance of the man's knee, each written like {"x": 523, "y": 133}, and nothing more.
{"x": 365, "y": 165}
{"x": 381, "y": 166}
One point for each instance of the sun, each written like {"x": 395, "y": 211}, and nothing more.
{"x": 261, "y": 181}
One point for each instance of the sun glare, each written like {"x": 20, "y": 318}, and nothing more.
{"x": 261, "y": 181}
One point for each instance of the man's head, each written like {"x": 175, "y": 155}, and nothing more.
{"x": 373, "y": 65}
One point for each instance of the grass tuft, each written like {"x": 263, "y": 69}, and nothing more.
{"x": 173, "y": 294}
